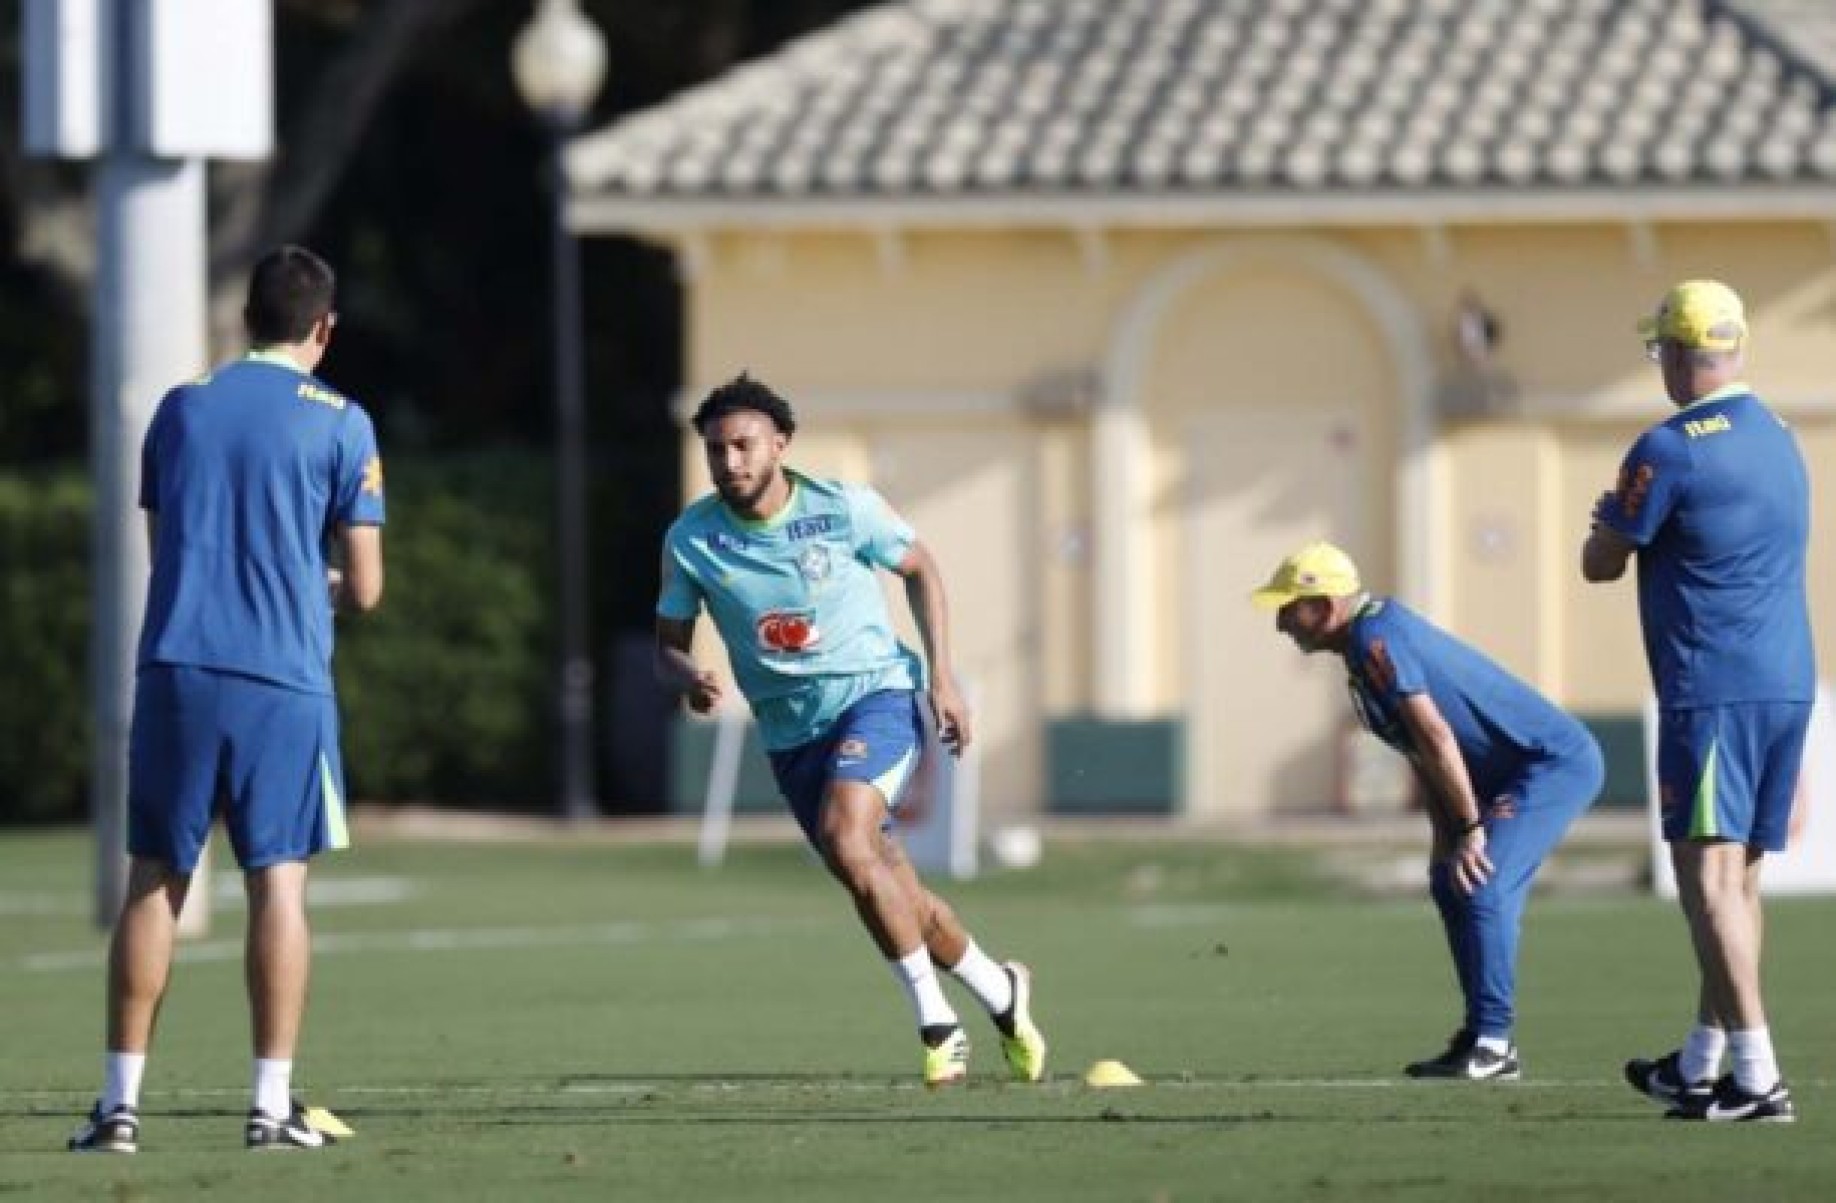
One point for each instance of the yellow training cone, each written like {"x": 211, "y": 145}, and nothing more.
{"x": 1110, "y": 1073}
{"x": 326, "y": 1124}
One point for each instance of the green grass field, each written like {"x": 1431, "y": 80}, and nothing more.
{"x": 564, "y": 1019}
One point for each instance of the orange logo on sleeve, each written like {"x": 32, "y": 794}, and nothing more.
{"x": 1378, "y": 668}
{"x": 1634, "y": 487}
{"x": 372, "y": 476}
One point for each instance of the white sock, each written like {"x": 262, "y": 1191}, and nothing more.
{"x": 919, "y": 977}
{"x": 1756, "y": 1070}
{"x": 121, "y": 1073}
{"x": 1700, "y": 1058}
{"x": 274, "y": 1087}
{"x": 1495, "y": 1044}
{"x": 985, "y": 979}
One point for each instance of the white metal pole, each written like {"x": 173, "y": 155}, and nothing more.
{"x": 723, "y": 785}
{"x": 149, "y": 335}
{"x": 964, "y": 777}
{"x": 153, "y": 86}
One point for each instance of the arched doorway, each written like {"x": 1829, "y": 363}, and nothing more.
{"x": 1265, "y": 392}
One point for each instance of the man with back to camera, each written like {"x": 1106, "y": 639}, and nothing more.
{"x": 1715, "y": 503}
{"x": 1505, "y": 772}
{"x": 787, "y": 567}
{"x": 245, "y": 475}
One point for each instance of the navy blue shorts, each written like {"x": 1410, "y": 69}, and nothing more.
{"x": 1730, "y": 772}
{"x": 263, "y": 755}
{"x": 878, "y": 740}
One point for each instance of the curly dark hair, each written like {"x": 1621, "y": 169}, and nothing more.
{"x": 744, "y": 393}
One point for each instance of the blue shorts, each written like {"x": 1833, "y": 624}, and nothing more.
{"x": 878, "y": 740}
{"x": 264, "y": 755}
{"x": 1730, "y": 772}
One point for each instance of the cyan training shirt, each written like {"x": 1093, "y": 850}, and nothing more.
{"x": 797, "y": 601}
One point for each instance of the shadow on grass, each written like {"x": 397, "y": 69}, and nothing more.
{"x": 769, "y": 1099}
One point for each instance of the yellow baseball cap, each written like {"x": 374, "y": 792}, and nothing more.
{"x": 1316, "y": 570}
{"x": 1704, "y": 315}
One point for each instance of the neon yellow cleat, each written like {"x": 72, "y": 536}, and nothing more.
{"x": 948, "y": 1063}
{"x": 1026, "y": 1048}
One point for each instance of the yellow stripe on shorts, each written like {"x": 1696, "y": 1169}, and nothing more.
{"x": 335, "y": 825}
{"x": 1702, "y": 824}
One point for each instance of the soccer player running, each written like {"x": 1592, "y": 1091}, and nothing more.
{"x": 1504, "y": 769}
{"x": 1715, "y": 503}
{"x": 786, "y": 566}
{"x": 245, "y": 475}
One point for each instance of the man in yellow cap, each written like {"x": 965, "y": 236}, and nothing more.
{"x": 1504, "y": 769}
{"x": 1715, "y": 503}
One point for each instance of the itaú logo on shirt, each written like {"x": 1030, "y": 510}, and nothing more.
{"x": 787, "y": 630}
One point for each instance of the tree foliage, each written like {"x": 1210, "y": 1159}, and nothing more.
{"x": 444, "y": 690}
{"x": 407, "y": 159}
{"x": 404, "y": 155}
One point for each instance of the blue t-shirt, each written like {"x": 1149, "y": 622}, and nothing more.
{"x": 797, "y": 600}
{"x": 1717, "y": 500}
{"x": 247, "y": 471}
{"x": 1502, "y": 725}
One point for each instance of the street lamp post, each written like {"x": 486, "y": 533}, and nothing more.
{"x": 559, "y": 61}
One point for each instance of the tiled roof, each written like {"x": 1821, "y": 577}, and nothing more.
{"x": 1802, "y": 27}
{"x": 945, "y": 99}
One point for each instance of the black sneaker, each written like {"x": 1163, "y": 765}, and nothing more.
{"x": 1477, "y": 1065}
{"x": 1443, "y": 1065}
{"x": 294, "y": 1132}
{"x": 1727, "y": 1103}
{"x": 1662, "y": 1079}
{"x": 116, "y": 1132}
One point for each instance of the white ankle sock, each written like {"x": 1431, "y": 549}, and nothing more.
{"x": 121, "y": 1073}
{"x": 274, "y": 1087}
{"x": 1756, "y": 1070}
{"x": 919, "y": 977}
{"x": 985, "y": 979}
{"x": 1495, "y": 1044}
{"x": 1700, "y": 1058}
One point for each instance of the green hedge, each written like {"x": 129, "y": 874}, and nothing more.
{"x": 444, "y": 688}
{"x": 44, "y": 638}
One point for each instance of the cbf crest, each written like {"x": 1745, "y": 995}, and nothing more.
{"x": 814, "y": 563}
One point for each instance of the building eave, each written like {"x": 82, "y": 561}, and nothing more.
{"x": 670, "y": 217}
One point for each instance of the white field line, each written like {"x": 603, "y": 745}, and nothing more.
{"x": 500, "y": 938}
{"x": 640, "y": 1084}
{"x": 1397, "y": 908}
{"x": 390, "y": 890}
{"x": 624, "y": 932}
{"x": 226, "y": 893}
{"x": 44, "y": 905}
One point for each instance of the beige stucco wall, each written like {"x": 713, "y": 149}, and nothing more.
{"x": 1269, "y": 337}
{"x": 931, "y": 344}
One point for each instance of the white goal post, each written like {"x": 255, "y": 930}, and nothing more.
{"x": 937, "y": 820}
